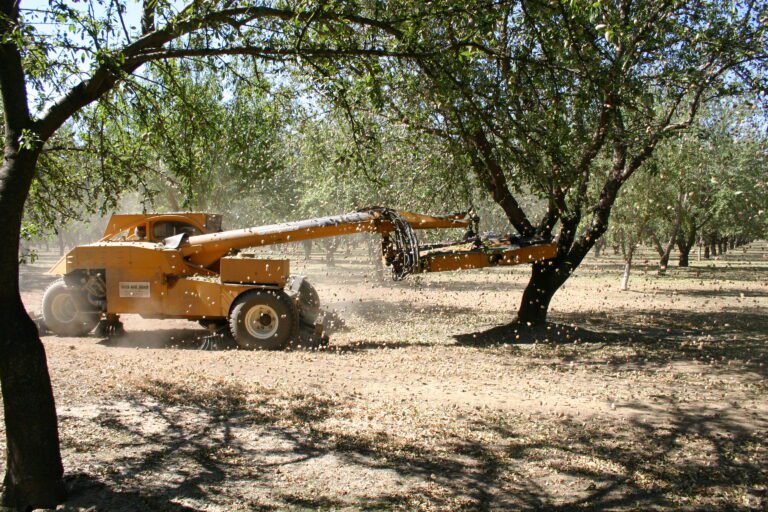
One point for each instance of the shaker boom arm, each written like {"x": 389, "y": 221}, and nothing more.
{"x": 207, "y": 250}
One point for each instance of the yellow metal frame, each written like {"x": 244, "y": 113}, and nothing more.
{"x": 482, "y": 258}
{"x": 197, "y": 279}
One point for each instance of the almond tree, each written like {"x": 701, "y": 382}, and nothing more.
{"x": 633, "y": 213}
{"x": 533, "y": 94}
{"x": 713, "y": 181}
{"x": 48, "y": 76}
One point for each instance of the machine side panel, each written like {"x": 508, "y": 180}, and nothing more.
{"x": 253, "y": 270}
{"x": 193, "y": 298}
{"x": 137, "y": 277}
{"x": 91, "y": 257}
{"x": 59, "y": 268}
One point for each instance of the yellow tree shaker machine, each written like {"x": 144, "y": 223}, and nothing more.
{"x": 182, "y": 265}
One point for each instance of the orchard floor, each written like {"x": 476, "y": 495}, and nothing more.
{"x": 656, "y": 398}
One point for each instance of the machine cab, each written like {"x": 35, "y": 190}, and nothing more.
{"x": 156, "y": 227}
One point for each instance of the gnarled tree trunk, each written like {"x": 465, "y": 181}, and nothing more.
{"x": 685, "y": 243}
{"x": 548, "y": 276}
{"x": 664, "y": 260}
{"x": 34, "y": 472}
{"x": 545, "y": 280}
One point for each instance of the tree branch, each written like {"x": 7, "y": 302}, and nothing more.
{"x": 492, "y": 176}
{"x": 130, "y": 57}
{"x": 12, "y": 87}
{"x": 266, "y": 52}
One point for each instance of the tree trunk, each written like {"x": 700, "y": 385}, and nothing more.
{"x": 657, "y": 245}
{"x": 628, "y": 266}
{"x": 664, "y": 262}
{"x": 685, "y": 243}
{"x": 34, "y": 471}
{"x": 173, "y": 200}
{"x": 548, "y": 276}
{"x": 60, "y": 240}
{"x": 373, "y": 248}
{"x": 625, "y": 276}
{"x": 663, "y": 254}
{"x": 706, "y": 251}
{"x": 599, "y": 246}
{"x": 330, "y": 244}
{"x": 544, "y": 282}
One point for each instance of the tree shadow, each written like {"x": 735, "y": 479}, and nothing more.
{"x": 714, "y": 293}
{"x": 369, "y": 345}
{"x": 515, "y": 333}
{"x": 657, "y": 336}
{"x": 382, "y": 310}
{"x": 185, "y": 448}
{"x": 693, "y": 456}
{"x": 726, "y": 272}
{"x": 188, "y": 439}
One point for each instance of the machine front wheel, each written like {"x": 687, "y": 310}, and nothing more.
{"x": 65, "y": 311}
{"x": 262, "y": 319}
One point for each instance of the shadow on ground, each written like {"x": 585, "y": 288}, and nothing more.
{"x": 383, "y": 310}
{"x": 219, "y": 448}
{"x": 373, "y": 311}
{"x": 183, "y": 339}
{"x": 655, "y": 337}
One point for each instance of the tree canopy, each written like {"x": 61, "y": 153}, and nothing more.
{"x": 545, "y": 108}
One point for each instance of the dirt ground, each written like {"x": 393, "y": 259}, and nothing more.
{"x": 649, "y": 399}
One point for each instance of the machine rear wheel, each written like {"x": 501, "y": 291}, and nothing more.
{"x": 262, "y": 319}
{"x": 65, "y": 311}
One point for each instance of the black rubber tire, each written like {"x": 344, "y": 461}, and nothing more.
{"x": 308, "y": 300}
{"x": 286, "y": 316}
{"x": 80, "y": 323}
